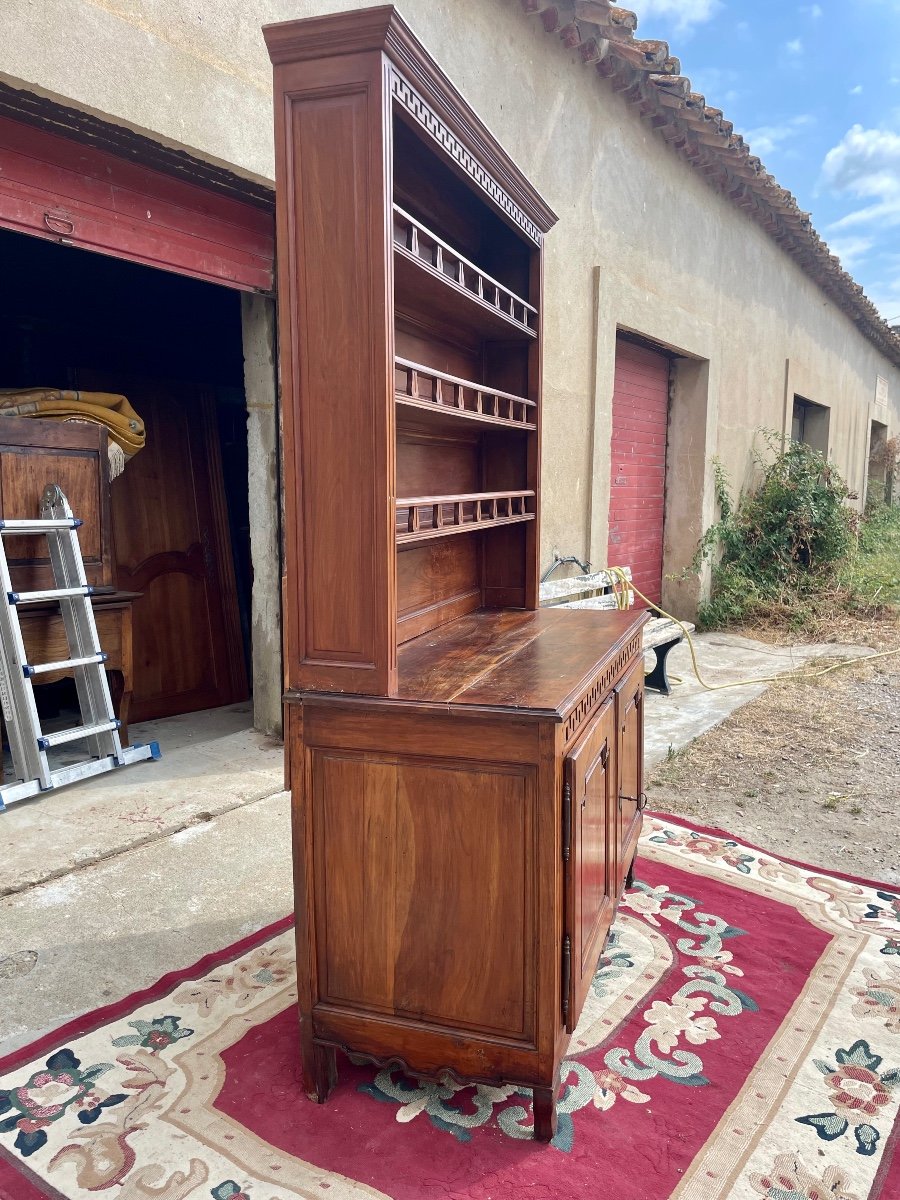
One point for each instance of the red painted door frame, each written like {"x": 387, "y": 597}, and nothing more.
{"x": 55, "y": 188}
{"x": 637, "y": 501}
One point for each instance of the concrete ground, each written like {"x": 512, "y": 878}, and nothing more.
{"x": 211, "y": 763}
{"x": 674, "y": 721}
{"x": 110, "y": 884}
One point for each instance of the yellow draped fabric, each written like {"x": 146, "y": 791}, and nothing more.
{"x": 103, "y": 408}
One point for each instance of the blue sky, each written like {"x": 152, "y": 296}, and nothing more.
{"x": 815, "y": 89}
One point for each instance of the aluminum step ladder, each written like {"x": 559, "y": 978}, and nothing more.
{"x": 99, "y": 727}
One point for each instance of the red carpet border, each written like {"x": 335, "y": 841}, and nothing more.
{"x": 741, "y": 1040}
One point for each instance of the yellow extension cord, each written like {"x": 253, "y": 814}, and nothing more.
{"x": 622, "y": 585}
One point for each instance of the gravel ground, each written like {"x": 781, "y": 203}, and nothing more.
{"x": 810, "y": 770}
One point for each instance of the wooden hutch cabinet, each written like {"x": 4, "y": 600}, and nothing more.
{"x": 466, "y": 768}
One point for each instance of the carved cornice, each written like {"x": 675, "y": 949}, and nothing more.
{"x": 413, "y": 61}
{"x": 356, "y": 32}
{"x": 466, "y": 162}
{"x": 383, "y": 29}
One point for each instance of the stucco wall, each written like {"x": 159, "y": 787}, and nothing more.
{"x": 642, "y": 242}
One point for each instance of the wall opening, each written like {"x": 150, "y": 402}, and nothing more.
{"x": 637, "y": 504}
{"x": 810, "y": 423}
{"x": 879, "y": 483}
{"x": 179, "y": 511}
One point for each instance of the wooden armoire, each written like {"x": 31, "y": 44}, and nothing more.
{"x": 465, "y": 767}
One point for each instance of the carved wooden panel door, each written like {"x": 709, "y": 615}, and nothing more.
{"x": 172, "y": 545}
{"x": 630, "y": 699}
{"x": 589, "y": 816}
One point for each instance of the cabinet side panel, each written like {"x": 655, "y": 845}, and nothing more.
{"x": 425, "y": 890}
{"x": 336, "y": 353}
{"x": 466, "y": 896}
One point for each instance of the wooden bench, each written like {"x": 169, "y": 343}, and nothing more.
{"x": 661, "y": 635}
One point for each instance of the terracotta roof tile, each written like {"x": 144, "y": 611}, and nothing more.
{"x": 649, "y": 77}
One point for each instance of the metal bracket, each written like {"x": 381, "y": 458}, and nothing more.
{"x": 566, "y": 974}
{"x": 640, "y": 801}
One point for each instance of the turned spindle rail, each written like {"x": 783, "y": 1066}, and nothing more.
{"x": 436, "y": 516}
{"x": 436, "y": 391}
{"x": 447, "y": 265}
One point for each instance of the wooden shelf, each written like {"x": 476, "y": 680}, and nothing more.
{"x": 424, "y": 517}
{"x": 426, "y": 390}
{"x": 431, "y": 277}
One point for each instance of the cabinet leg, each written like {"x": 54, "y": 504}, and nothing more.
{"x": 544, "y": 1113}
{"x": 629, "y": 878}
{"x": 121, "y": 700}
{"x": 319, "y": 1068}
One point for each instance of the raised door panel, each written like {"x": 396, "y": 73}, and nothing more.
{"x": 425, "y": 891}
{"x": 589, "y": 839}
{"x": 630, "y": 719}
{"x": 172, "y": 546}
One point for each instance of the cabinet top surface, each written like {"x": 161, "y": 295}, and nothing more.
{"x": 513, "y": 658}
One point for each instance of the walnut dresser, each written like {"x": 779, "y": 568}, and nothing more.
{"x": 466, "y": 768}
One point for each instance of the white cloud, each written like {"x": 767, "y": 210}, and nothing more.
{"x": 813, "y": 10}
{"x": 885, "y": 293}
{"x": 766, "y": 138}
{"x": 856, "y": 91}
{"x": 865, "y": 165}
{"x": 851, "y": 250}
{"x": 794, "y": 48}
{"x": 685, "y": 13}
{"x": 716, "y": 84}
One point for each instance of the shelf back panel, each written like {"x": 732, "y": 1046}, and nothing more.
{"x": 437, "y": 466}
{"x": 421, "y": 345}
{"x": 437, "y": 582}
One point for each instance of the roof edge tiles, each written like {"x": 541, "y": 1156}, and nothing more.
{"x": 650, "y": 79}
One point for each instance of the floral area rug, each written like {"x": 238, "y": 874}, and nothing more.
{"x": 741, "y": 1040}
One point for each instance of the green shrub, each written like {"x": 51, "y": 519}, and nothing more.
{"x": 783, "y": 543}
{"x": 872, "y": 574}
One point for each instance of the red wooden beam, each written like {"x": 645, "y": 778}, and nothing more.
{"x": 63, "y": 191}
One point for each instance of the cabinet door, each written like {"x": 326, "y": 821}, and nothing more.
{"x": 630, "y": 716}
{"x": 589, "y": 839}
{"x": 173, "y": 546}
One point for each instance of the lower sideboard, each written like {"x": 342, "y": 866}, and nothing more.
{"x": 456, "y": 871}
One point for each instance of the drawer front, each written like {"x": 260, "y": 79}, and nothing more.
{"x": 584, "y": 707}
{"x": 589, "y": 814}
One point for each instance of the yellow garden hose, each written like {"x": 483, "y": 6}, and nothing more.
{"x": 622, "y": 585}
